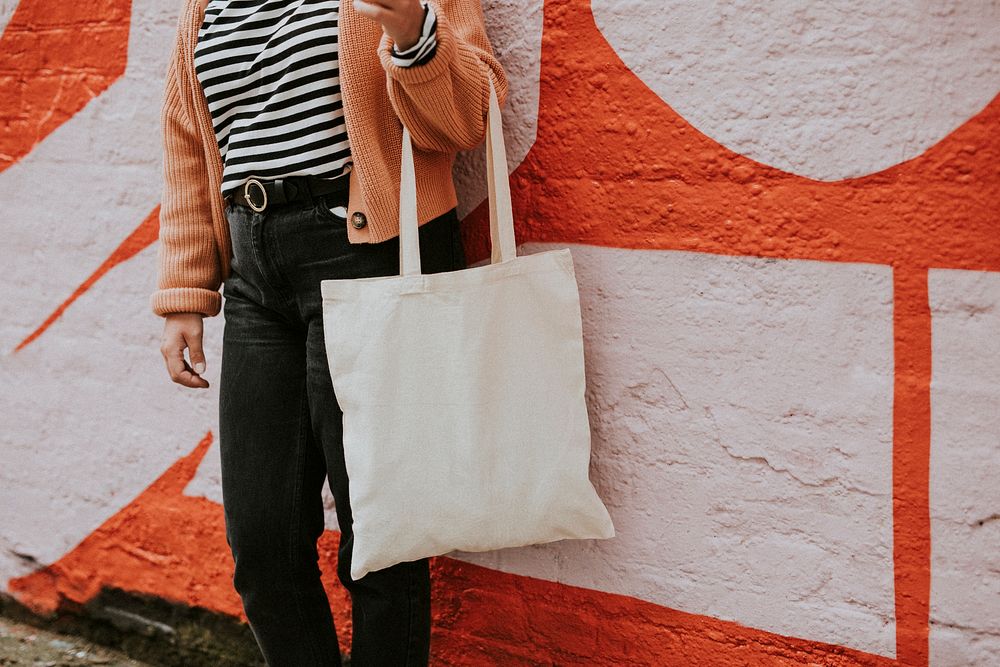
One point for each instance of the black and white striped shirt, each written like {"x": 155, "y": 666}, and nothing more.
{"x": 270, "y": 72}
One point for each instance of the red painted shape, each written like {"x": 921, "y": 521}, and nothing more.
{"x": 487, "y": 617}
{"x": 614, "y": 165}
{"x": 140, "y": 238}
{"x": 911, "y": 463}
{"x": 54, "y": 58}
{"x": 172, "y": 546}
{"x": 163, "y": 544}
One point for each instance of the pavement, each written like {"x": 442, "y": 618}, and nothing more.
{"x": 22, "y": 644}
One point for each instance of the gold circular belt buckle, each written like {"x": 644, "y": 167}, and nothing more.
{"x": 246, "y": 194}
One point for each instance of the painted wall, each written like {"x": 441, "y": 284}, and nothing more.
{"x": 784, "y": 221}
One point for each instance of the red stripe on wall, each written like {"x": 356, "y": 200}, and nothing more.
{"x": 56, "y": 56}
{"x": 911, "y": 464}
{"x": 141, "y": 237}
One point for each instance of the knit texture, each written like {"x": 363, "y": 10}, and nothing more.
{"x": 443, "y": 102}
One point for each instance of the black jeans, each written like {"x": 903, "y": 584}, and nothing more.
{"x": 280, "y": 433}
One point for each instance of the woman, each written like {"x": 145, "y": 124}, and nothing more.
{"x": 282, "y": 141}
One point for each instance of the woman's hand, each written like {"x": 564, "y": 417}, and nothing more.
{"x": 179, "y": 331}
{"x": 402, "y": 20}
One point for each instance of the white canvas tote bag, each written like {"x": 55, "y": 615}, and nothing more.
{"x": 465, "y": 426}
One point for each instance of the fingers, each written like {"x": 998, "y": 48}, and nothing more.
{"x": 370, "y": 9}
{"x": 195, "y": 351}
{"x": 179, "y": 370}
{"x": 402, "y": 20}
{"x": 381, "y": 10}
{"x": 175, "y": 339}
{"x": 370, "y": 5}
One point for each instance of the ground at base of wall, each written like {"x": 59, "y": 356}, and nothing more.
{"x": 23, "y": 644}
{"x": 148, "y": 630}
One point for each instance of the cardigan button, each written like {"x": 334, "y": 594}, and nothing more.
{"x": 358, "y": 220}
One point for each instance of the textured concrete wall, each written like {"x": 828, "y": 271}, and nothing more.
{"x": 784, "y": 223}
{"x": 965, "y": 496}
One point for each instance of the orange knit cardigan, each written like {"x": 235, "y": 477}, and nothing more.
{"x": 443, "y": 102}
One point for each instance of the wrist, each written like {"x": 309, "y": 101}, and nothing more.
{"x": 422, "y": 51}
{"x": 417, "y": 30}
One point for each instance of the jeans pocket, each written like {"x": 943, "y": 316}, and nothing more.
{"x": 330, "y": 211}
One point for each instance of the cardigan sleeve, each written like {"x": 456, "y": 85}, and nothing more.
{"x": 188, "y": 266}
{"x": 444, "y": 101}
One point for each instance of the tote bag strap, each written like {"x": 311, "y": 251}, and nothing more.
{"x": 503, "y": 247}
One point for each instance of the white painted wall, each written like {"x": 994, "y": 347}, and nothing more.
{"x": 965, "y": 467}
{"x": 742, "y": 437}
{"x": 90, "y": 417}
{"x": 828, "y": 90}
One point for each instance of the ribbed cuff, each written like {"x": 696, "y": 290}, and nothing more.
{"x": 435, "y": 67}
{"x": 186, "y": 300}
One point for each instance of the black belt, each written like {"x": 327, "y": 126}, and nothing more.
{"x": 258, "y": 194}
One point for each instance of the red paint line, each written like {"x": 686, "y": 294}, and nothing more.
{"x": 140, "y": 238}
{"x": 911, "y": 465}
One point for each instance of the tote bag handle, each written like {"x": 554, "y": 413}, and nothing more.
{"x": 502, "y": 243}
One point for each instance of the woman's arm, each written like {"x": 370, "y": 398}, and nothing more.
{"x": 444, "y": 101}
{"x": 189, "y": 271}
